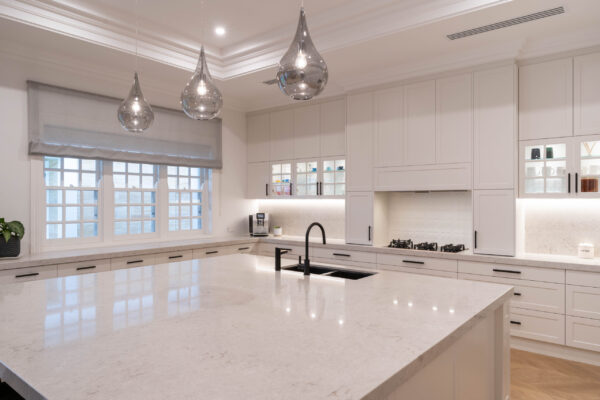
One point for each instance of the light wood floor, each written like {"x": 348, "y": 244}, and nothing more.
{"x": 538, "y": 377}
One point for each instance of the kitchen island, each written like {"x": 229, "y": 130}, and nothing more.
{"x": 232, "y": 328}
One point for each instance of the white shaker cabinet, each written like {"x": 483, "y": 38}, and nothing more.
{"x": 359, "y": 217}
{"x": 333, "y": 128}
{"x": 282, "y": 135}
{"x": 258, "y": 138}
{"x": 494, "y": 222}
{"x": 587, "y": 94}
{"x": 359, "y": 143}
{"x": 495, "y": 137}
{"x": 454, "y": 119}
{"x": 546, "y": 100}
{"x": 258, "y": 178}
{"x": 419, "y": 123}
{"x": 389, "y": 127}
{"x": 306, "y": 131}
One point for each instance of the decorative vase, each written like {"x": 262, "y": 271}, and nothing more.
{"x": 12, "y": 248}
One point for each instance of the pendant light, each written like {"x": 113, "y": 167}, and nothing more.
{"x": 201, "y": 99}
{"x": 302, "y": 71}
{"x": 135, "y": 113}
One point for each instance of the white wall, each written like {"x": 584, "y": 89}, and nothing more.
{"x": 230, "y": 208}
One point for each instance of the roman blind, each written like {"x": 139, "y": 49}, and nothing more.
{"x": 65, "y": 122}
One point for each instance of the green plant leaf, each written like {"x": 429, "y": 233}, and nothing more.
{"x": 6, "y": 235}
{"x": 17, "y": 227}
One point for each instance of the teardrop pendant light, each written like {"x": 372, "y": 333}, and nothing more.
{"x": 201, "y": 99}
{"x": 302, "y": 71}
{"x": 135, "y": 113}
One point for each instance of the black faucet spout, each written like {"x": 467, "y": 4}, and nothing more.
{"x": 306, "y": 259}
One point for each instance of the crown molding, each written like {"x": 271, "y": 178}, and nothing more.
{"x": 355, "y": 22}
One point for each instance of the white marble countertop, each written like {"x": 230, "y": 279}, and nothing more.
{"x": 531, "y": 260}
{"x": 229, "y": 328}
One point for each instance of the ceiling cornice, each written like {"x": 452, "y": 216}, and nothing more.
{"x": 355, "y": 22}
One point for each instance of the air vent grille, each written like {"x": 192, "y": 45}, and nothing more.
{"x": 507, "y": 23}
{"x": 270, "y": 82}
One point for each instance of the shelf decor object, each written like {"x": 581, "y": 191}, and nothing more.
{"x": 11, "y": 234}
{"x": 135, "y": 113}
{"x": 302, "y": 71}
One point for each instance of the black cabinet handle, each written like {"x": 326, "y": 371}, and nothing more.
{"x": 212, "y": 252}
{"x": 321, "y": 188}
{"x": 243, "y": 248}
{"x": 517, "y": 294}
{"x": 26, "y": 275}
{"x": 508, "y": 271}
{"x": 266, "y": 189}
{"x": 576, "y": 182}
{"x": 341, "y": 255}
{"x": 414, "y": 262}
{"x": 515, "y": 322}
{"x": 135, "y": 261}
{"x": 369, "y": 233}
{"x": 317, "y": 184}
{"x": 174, "y": 257}
{"x": 475, "y": 237}
{"x": 291, "y": 188}
{"x": 569, "y": 182}
{"x": 84, "y": 268}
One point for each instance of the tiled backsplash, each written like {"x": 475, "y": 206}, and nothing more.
{"x": 294, "y": 215}
{"x": 443, "y": 217}
{"x": 557, "y": 226}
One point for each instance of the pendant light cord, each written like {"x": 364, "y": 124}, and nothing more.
{"x": 137, "y": 27}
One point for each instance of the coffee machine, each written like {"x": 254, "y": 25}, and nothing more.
{"x": 258, "y": 224}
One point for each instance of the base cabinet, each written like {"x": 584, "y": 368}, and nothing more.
{"x": 583, "y": 333}
{"x": 359, "y": 217}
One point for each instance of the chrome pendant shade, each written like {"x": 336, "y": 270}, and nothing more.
{"x": 302, "y": 71}
{"x": 201, "y": 99}
{"x": 135, "y": 113}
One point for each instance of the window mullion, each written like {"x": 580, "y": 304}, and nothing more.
{"x": 162, "y": 206}
{"x": 108, "y": 197}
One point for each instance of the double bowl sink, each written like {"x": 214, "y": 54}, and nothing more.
{"x": 331, "y": 271}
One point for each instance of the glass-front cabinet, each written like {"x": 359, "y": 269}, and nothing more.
{"x": 307, "y": 178}
{"x": 334, "y": 178}
{"x": 563, "y": 167}
{"x": 281, "y": 179}
{"x": 310, "y": 178}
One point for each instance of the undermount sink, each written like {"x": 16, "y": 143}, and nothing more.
{"x": 333, "y": 272}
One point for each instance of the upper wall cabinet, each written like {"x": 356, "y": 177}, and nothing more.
{"x": 282, "y": 135}
{"x": 359, "y": 143}
{"x": 306, "y": 132}
{"x": 419, "y": 123}
{"x": 495, "y": 138}
{"x": 454, "y": 116}
{"x": 546, "y": 100}
{"x": 587, "y": 94}
{"x": 258, "y": 138}
{"x": 389, "y": 127}
{"x": 333, "y": 128}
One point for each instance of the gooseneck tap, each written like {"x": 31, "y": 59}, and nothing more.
{"x": 306, "y": 259}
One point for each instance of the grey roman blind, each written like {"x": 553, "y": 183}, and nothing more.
{"x": 64, "y": 122}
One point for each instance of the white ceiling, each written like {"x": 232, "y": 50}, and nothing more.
{"x": 363, "y": 42}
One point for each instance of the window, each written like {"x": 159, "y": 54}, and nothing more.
{"x": 186, "y": 186}
{"x": 306, "y": 178}
{"x": 71, "y": 193}
{"x": 134, "y": 198}
{"x": 334, "y": 178}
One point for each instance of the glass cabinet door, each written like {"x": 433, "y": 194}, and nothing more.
{"x": 281, "y": 179}
{"x": 334, "y": 178}
{"x": 307, "y": 177}
{"x": 545, "y": 169}
{"x": 589, "y": 167}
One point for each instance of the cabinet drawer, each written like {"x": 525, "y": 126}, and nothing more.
{"x": 537, "y": 325}
{"x": 583, "y": 333}
{"x": 132, "y": 261}
{"x": 244, "y": 248}
{"x": 581, "y": 278}
{"x": 28, "y": 274}
{"x": 84, "y": 267}
{"x": 343, "y": 255}
{"x": 583, "y": 301}
{"x": 512, "y": 271}
{"x": 438, "y": 264}
{"x": 173, "y": 256}
{"x": 420, "y": 271}
{"x": 212, "y": 252}
{"x": 540, "y": 296}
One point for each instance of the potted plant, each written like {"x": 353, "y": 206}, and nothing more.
{"x": 11, "y": 234}
{"x": 277, "y": 231}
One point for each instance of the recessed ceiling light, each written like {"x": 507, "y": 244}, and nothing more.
{"x": 220, "y": 31}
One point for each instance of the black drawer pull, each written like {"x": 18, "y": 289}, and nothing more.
{"x": 212, "y": 252}
{"x": 515, "y": 322}
{"x": 517, "y": 294}
{"x": 26, "y": 275}
{"x": 134, "y": 262}
{"x": 342, "y": 255}
{"x": 174, "y": 257}
{"x": 414, "y": 262}
{"x": 83, "y": 268}
{"x": 243, "y": 248}
{"x": 283, "y": 248}
{"x": 508, "y": 271}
